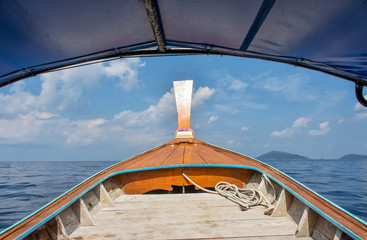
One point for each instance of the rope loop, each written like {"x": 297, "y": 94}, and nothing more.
{"x": 245, "y": 197}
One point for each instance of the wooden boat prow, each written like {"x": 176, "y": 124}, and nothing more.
{"x": 147, "y": 197}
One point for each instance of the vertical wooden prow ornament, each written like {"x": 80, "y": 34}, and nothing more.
{"x": 183, "y": 95}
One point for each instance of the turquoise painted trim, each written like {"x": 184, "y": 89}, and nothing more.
{"x": 180, "y": 166}
{"x": 52, "y": 201}
{"x": 332, "y": 203}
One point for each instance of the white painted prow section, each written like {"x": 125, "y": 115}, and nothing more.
{"x": 183, "y": 95}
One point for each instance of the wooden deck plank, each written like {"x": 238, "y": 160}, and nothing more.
{"x": 213, "y": 157}
{"x": 345, "y": 219}
{"x": 154, "y": 157}
{"x": 175, "y": 206}
{"x": 178, "y": 217}
{"x": 166, "y": 197}
{"x": 113, "y": 237}
{"x": 211, "y": 213}
{"x": 176, "y": 157}
{"x": 175, "y": 202}
{"x": 164, "y": 217}
{"x": 192, "y": 157}
{"x": 210, "y": 229}
{"x": 208, "y": 199}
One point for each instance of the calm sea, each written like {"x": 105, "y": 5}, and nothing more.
{"x": 27, "y": 186}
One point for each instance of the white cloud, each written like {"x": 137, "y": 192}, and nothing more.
{"x": 361, "y": 111}
{"x": 295, "y": 129}
{"x": 201, "y": 95}
{"x": 293, "y": 87}
{"x": 126, "y": 71}
{"x": 27, "y": 127}
{"x": 63, "y": 90}
{"x": 28, "y": 117}
{"x": 244, "y": 128}
{"x": 166, "y": 107}
{"x": 231, "y": 107}
{"x": 84, "y": 132}
{"x": 301, "y": 122}
{"x": 229, "y": 82}
{"x": 288, "y": 132}
{"x": 153, "y": 114}
{"x": 340, "y": 121}
{"x": 324, "y": 129}
{"x": 134, "y": 127}
{"x": 18, "y": 101}
{"x": 237, "y": 85}
{"x": 361, "y": 115}
{"x": 48, "y": 127}
{"x": 212, "y": 119}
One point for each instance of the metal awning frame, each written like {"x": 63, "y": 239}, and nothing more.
{"x": 163, "y": 47}
{"x": 175, "y": 49}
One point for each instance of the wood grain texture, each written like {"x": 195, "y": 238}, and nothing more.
{"x": 183, "y": 94}
{"x": 104, "y": 198}
{"x": 163, "y": 179}
{"x": 183, "y": 216}
{"x": 284, "y": 201}
{"x": 295, "y": 210}
{"x": 307, "y": 223}
{"x": 195, "y": 152}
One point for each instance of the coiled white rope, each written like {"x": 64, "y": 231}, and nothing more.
{"x": 245, "y": 197}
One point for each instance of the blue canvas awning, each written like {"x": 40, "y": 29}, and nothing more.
{"x": 42, "y": 35}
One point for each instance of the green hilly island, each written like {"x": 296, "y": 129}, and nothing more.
{"x": 278, "y": 155}
{"x": 354, "y": 157}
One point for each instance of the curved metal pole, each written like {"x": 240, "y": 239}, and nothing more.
{"x": 359, "y": 94}
{"x": 149, "y": 50}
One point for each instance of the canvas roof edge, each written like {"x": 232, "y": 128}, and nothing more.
{"x": 183, "y": 96}
{"x": 151, "y": 49}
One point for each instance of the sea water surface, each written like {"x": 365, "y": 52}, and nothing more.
{"x": 27, "y": 186}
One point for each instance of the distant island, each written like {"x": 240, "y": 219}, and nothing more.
{"x": 354, "y": 157}
{"x": 278, "y": 155}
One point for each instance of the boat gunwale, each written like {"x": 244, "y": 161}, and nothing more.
{"x": 73, "y": 188}
{"x": 332, "y": 203}
{"x": 321, "y": 213}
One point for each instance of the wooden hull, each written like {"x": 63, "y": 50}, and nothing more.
{"x": 160, "y": 171}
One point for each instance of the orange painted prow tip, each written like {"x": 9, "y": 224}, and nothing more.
{"x": 183, "y": 95}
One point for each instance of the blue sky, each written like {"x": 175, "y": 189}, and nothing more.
{"x": 115, "y": 110}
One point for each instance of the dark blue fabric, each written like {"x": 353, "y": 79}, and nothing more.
{"x": 328, "y": 35}
{"x": 259, "y": 20}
